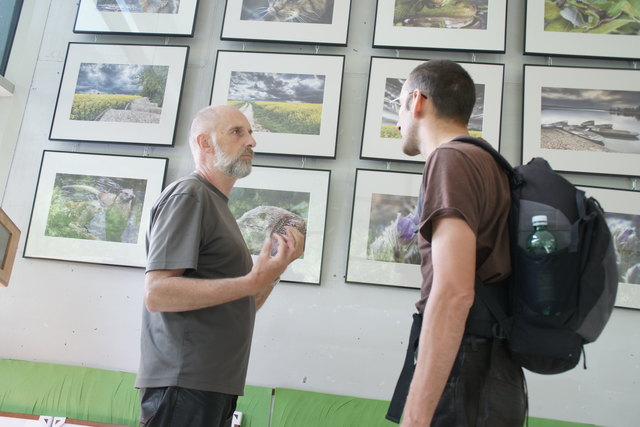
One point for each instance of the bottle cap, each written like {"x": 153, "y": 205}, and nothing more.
{"x": 539, "y": 220}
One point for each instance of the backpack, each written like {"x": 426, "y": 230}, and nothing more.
{"x": 583, "y": 270}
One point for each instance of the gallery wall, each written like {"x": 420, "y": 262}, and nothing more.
{"x": 335, "y": 337}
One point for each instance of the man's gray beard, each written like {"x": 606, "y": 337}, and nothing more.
{"x": 237, "y": 168}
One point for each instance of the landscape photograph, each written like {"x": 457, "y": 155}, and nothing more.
{"x": 467, "y": 14}
{"x": 392, "y": 223}
{"x": 138, "y": 6}
{"x": 590, "y": 120}
{"x": 96, "y": 208}
{"x": 124, "y": 93}
{"x": 593, "y": 17}
{"x": 295, "y": 11}
{"x": 261, "y": 212}
{"x": 392, "y": 89}
{"x": 279, "y": 102}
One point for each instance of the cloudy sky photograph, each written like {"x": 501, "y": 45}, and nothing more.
{"x": 276, "y": 87}
{"x": 592, "y": 99}
{"x": 121, "y": 79}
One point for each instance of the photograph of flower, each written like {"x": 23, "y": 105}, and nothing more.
{"x": 622, "y": 213}
{"x": 152, "y": 17}
{"x": 473, "y": 25}
{"x": 292, "y": 101}
{"x": 278, "y": 102}
{"x": 271, "y": 198}
{"x": 93, "y": 208}
{"x": 582, "y": 119}
{"x": 307, "y": 11}
{"x": 466, "y": 14}
{"x": 382, "y": 243}
{"x": 601, "y": 29}
{"x": 293, "y": 21}
{"x": 119, "y": 93}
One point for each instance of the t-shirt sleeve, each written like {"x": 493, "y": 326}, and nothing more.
{"x": 452, "y": 186}
{"x": 174, "y": 234}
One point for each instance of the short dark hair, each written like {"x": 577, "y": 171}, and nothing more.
{"x": 448, "y": 85}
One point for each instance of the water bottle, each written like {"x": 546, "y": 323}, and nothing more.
{"x": 540, "y": 242}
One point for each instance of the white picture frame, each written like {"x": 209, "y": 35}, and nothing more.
{"x": 324, "y": 73}
{"x": 491, "y": 37}
{"x": 559, "y": 103}
{"x": 239, "y": 24}
{"x": 89, "y": 71}
{"x": 377, "y": 144}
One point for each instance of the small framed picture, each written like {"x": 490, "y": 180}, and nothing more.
{"x": 273, "y": 197}
{"x": 383, "y": 245}
{"x": 470, "y": 25}
{"x": 9, "y": 238}
{"x": 381, "y": 139}
{"x": 141, "y": 17}
{"x": 94, "y": 208}
{"x": 119, "y": 94}
{"x": 582, "y": 120}
{"x": 291, "y": 100}
{"x": 605, "y": 29}
{"x": 622, "y": 212}
{"x": 308, "y": 21}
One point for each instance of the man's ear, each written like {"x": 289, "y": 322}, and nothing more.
{"x": 203, "y": 142}
{"x": 418, "y": 103}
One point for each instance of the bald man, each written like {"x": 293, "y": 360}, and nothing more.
{"x": 201, "y": 287}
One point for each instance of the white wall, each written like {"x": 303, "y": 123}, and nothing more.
{"x": 337, "y": 337}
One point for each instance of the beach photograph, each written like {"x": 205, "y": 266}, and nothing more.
{"x": 392, "y": 223}
{"x": 278, "y": 102}
{"x": 390, "y": 105}
{"x": 467, "y": 14}
{"x": 294, "y": 11}
{"x": 124, "y": 93}
{"x": 96, "y": 208}
{"x": 590, "y": 120}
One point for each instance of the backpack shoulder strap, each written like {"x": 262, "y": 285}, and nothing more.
{"x": 514, "y": 178}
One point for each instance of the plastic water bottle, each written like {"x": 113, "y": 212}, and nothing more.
{"x": 540, "y": 242}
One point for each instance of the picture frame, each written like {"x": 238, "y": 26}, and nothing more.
{"x": 288, "y": 194}
{"x": 380, "y": 138}
{"x": 273, "y": 87}
{"x": 582, "y": 120}
{"x": 254, "y": 20}
{"x": 174, "y": 18}
{"x": 382, "y": 204}
{"x": 470, "y": 25}
{"x": 94, "y": 208}
{"x": 566, "y": 31}
{"x": 622, "y": 212}
{"x": 9, "y": 238}
{"x": 120, "y": 93}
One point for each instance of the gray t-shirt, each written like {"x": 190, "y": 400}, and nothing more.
{"x": 192, "y": 228}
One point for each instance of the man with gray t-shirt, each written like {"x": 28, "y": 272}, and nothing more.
{"x": 202, "y": 289}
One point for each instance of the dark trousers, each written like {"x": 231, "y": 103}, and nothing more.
{"x": 177, "y": 406}
{"x": 485, "y": 387}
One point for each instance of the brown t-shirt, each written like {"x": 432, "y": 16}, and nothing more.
{"x": 463, "y": 180}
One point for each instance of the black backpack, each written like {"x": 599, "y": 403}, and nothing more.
{"x": 583, "y": 270}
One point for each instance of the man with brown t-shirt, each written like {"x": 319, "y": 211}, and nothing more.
{"x": 457, "y": 377}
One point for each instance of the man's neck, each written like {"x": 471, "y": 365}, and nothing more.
{"x": 442, "y": 133}
{"x": 221, "y": 181}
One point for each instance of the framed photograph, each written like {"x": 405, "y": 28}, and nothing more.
{"x": 119, "y": 93}
{"x": 9, "y": 238}
{"x": 271, "y": 197}
{"x": 94, "y": 208}
{"x": 604, "y": 29}
{"x": 622, "y": 212}
{"x": 383, "y": 245}
{"x": 583, "y": 120}
{"x": 291, "y": 100}
{"x": 309, "y": 21}
{"x": 381, "y": 139}
{"x": 471, "y": 25}
{"x": 141, "y": 17}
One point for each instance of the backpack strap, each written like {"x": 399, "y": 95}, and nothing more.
{"x": 515, "y": 180}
